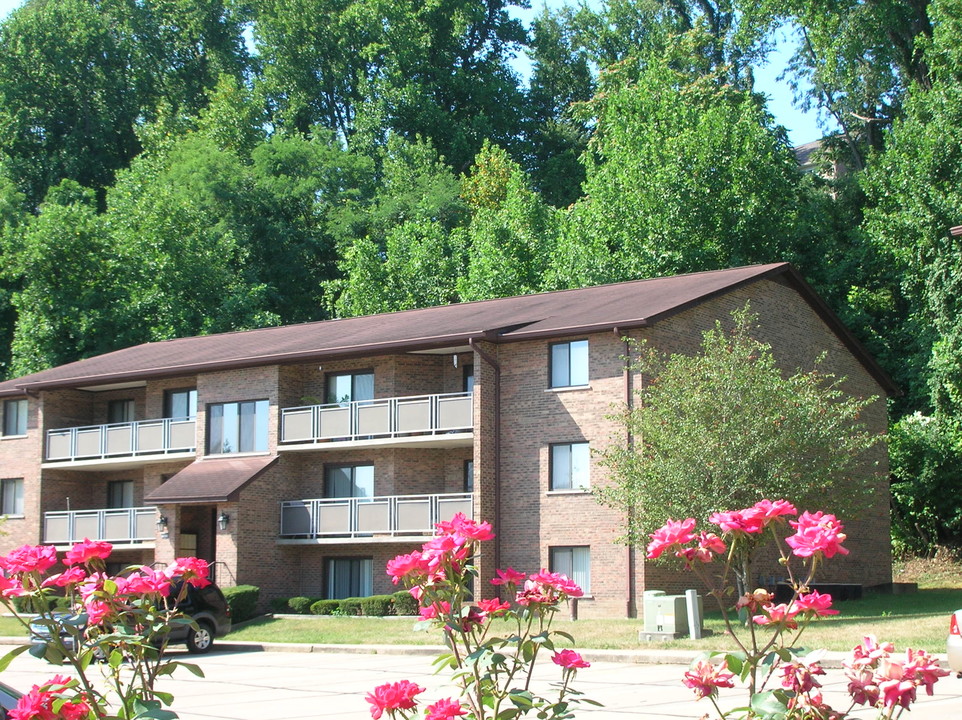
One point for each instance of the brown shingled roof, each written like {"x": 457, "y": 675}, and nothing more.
{"x": 622, "y": 305}
{"x": 211, "y": 480}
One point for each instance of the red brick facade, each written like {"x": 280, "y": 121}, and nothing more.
{"x": 517, "y": 417}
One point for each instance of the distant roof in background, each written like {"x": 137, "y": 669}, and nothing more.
{"x": 804, "y": 153}
{"x": 637, "y": 303}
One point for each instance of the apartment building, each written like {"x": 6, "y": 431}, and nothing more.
{"x": 302, "y": 458}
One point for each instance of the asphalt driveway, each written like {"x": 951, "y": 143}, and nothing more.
{"x": 246, "y": 685}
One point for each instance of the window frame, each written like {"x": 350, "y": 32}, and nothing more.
{"x": 568, "y": 381}
{"x": 18, "y": 499}
{"x": 330, "y": 564}
{"x": 553, "y": 471}
{"x": 128, "y": 410}
{"x": 330, "y": 377}
{"x": 168, "y": 404}
{"x": 329, "y": 467}
{"x": 19, "y": 417}
{"x": 240, "y": 427}
{"x": 125, "y": 485}
{"x": 570, "y": 550}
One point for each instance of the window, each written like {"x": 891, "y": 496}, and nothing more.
{"x": 120, "y": 494}
{"x": 569, "y": 364}
{"x": 469, "y": 476}
{"x": 349, "y": 481}
{"x": 237, "y": 427}
{"x": 11, "y": 496}
{"x": 120, "y": 411}
{"x": 349, "y": 577}
{"x": 15, "y": 417}
{"x": 347, "y": 387}
{"x": 575, "y": 562}
{"x": 467, "y": 384}
{"x": 569, "y": 466}
{"x": 180, "y": 404}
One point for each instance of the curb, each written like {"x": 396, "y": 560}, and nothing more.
{"x": 830, "y": 660}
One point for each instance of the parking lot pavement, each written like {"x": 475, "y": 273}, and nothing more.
{"x": 295, "y": 685}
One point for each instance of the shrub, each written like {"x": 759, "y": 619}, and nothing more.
{"x": 280, "y": 604}
{"x": 376, "y": 605}
{"x": 350, "y": 606}
{"x": 325, "y": 607}
{"x": 242, "y": 601}
{"x": 404, "y": 603}
{"x": 301, "y": 605}
{"x": 28, "y": 604}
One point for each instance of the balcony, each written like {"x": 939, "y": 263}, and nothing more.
{"x": 120, "y": 526}
{"x": 122, "y": 444}
{"x": 428, "y": 420}
{"x": 373, "y": 519}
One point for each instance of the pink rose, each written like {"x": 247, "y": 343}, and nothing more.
{"x": 444, "y": 710}
{"x": 816, "y": 533}
{"x": 193, "y": 570}
{"x": 705, "y": 678}
{"x": 508, "y": 577}
{"x": 30, "y": 558}
{"x": 569, "y": 659}
{"x": 815, "y": 603}
{"x": 391, "y": 697}
{"x": 406, "y": 565}
{"x": 87, "y": 550}
{"x": 672, "y": 533}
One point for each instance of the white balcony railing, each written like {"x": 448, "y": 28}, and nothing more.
{"x": 119, "y": 525}
{"x": 382, "y": 418}
{"x": 389, "y": 515}
{"x": 143, "y": 437}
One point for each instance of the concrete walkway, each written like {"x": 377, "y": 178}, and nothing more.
{"x": 244, "y": 682}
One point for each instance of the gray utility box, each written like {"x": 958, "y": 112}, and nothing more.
{"x": 668, "y": 614}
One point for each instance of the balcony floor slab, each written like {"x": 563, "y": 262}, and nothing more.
{"x": 461, "y": 439}
{"x": 120, "y": 463}
{"x": 373, "y": 540}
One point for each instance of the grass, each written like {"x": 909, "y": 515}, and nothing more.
{"x": 917, "y": 620}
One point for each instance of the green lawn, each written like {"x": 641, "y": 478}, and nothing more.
{"x": 918, "y": 620}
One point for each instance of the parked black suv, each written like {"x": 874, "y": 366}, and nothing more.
{"x": 206, "y": 606}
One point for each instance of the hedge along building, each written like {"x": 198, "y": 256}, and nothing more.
{"x": 302, "y": 458}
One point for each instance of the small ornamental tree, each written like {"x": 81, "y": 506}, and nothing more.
{"x": 724, "y": 428}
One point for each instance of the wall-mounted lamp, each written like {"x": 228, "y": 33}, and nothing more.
{"x": 223, "y": 520}
{"x": 162, "y": 523}
{"x": 454, "y": 359}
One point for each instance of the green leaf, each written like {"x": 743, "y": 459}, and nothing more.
{"x": 522, "y": 699}
{"x": 770, "y": 705}
{"x": 20, "y": 649}
{"x": 192, "y": 668}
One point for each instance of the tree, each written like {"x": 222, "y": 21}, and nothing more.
{"x": 684, "y": 173}
{"x": 725, "y": 428}
{"x": 70, "y": 284}
{"x": 925, "y": 454}
{"x": 914, "y": 192}
{"x": 512, "y": 232}
{"x": 67, "y": 99}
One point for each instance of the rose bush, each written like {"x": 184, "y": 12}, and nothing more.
{"x": 123, "y": 621}
{"x": 494, "y": 642}
{"x": 782, "y": 682}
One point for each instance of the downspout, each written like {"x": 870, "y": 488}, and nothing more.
{"x": 629, "y": 442}
{"x": 497, "y": 447}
